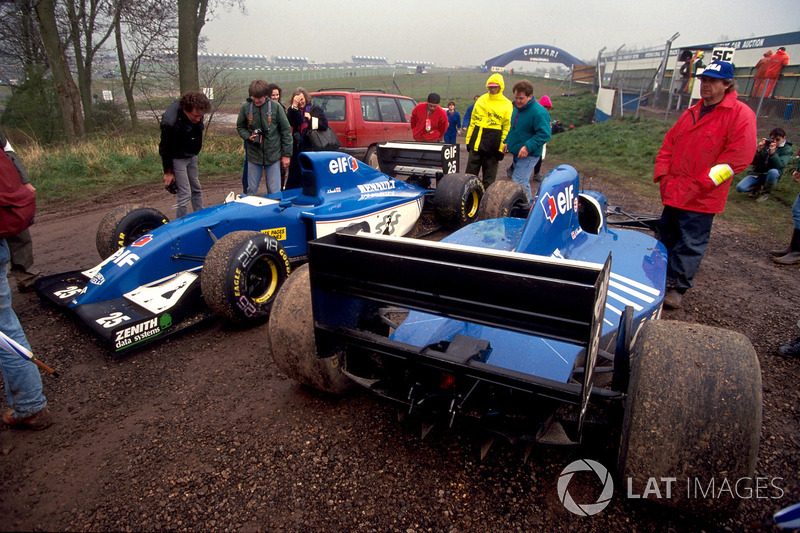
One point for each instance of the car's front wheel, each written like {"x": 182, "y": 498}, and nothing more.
{"x": 124, "y": 225}
{"x": 242, "y": 274}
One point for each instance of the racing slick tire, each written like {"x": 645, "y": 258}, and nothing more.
{"x": 124, "y": 225}
{"x": 242, "y": 274}
{"x": 693, "y": 413}
{"x": 291, "y": 336}
{"x": 456, "y": 200}
{"x": 501, "y": 198}
{"x": 371, "y": 157}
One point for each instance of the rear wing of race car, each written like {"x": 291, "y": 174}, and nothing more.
{"x": 534, "y": 295}
{"x": 418, "y": 159}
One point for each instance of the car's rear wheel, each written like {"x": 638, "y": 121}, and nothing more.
{"x": 124, "y": 225}
{"x": 501, "y": 199}
{"x": 242, "y": 274}
{"x": 693, "y": 413}
{"x": 456, "y": 200}
{"x": 371, "y": 158}
{"x": 291, "y": 335}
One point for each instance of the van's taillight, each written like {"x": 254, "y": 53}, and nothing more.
{"x": 351, "y": 140}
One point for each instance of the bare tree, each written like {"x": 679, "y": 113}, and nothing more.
{"x": 142, "y": 31}
{"x": 191, "y": 19}
{"x": 91, "y": 23}
{"x": 19, "y": 35}
{"x": 66, "y": 90}
{"x": 217, "y": 75}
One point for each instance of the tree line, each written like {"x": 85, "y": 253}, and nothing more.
{"x": 46, "y": 37}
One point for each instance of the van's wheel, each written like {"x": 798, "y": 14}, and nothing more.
{"x": 372, "y": 158}
{"x": 291, "y": 336}
{"x": 501, "y": 198}
{"x": 693, "y": 413}
{"x": 242, "y": 274}
{"x": 124, "y": 225}
{"x": 456, "y": 199}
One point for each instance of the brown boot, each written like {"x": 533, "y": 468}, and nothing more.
{"x": 778, "y": 253}
{"x": 41, "y": 420}
{"x": 793, "y": 256}
{"x": 672, "y": 300}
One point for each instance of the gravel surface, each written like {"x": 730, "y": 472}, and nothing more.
{"x": 202, "y": 433}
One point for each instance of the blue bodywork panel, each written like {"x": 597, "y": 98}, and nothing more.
{"x": 553, "y": 229}
{"x": 163, "y": 266}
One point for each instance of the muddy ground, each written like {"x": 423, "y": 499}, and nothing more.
{"x": 202, "y": 433}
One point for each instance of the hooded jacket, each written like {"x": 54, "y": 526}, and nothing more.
{"x": 779, "y": 60}
{"x": 490, "y": 121}
{"x": 761, "y": 66}
{"x": 725, "y": 135}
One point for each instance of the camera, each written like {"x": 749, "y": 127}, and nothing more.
{"x": 257, "y": 136}
{"x": 768, "y": 142}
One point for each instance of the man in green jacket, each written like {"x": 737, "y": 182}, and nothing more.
{"x": 263, "y": 125}
{"x": 771, "y": 158}
{"x": 530, "y": 129}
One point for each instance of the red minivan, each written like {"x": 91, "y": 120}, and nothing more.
{"x": 363, "y": 119}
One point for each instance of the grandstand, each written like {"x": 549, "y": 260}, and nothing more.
{"x": 290, "y": 61}
{"x": 234, "y": 60}
{"x": 370, "y": 61}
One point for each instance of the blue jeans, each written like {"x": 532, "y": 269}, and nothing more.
{"x": 21, "y": 377}
{"x": 749, "y": 182}
{"x": 254, "y": 171}
{"x": 523, "y": 168}
{"x": 188, "y": 182}
{"x": 685, "y": 235}
{"x": 796, "y": 213}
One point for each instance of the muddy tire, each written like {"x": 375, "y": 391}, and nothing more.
{"x": 291, "y": 335}
{"x": 124, "y": 225}
{"x": 501, "y": 198}
{"x": 693, "y": 413}
{"x": 456, "y": 200}
{"x": 242, "y": 274}
{"x": 371, "y": 157}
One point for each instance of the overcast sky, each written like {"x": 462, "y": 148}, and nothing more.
{"x": 467, "y": 32}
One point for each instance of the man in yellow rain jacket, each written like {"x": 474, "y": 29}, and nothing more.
{"x": 491, "y": 120}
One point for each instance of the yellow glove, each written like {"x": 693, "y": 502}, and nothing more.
{"x": 720, "y": 173}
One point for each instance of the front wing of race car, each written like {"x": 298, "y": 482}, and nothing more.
{"x": 141, "y": 316}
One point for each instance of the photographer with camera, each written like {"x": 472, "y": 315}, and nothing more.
{"x": 771, "y": 157}
{"x": 262, "y": 123}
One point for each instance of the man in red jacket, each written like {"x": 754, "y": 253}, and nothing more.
{"x": 429, "y": 120}
{"x": 711, "y": 141}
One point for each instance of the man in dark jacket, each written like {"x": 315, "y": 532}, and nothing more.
{"x": 181, "y": 141}
{"x": 771, "y": 158}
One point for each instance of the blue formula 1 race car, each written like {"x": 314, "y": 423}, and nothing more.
{"x": 535, "y": 323}
{"x": 158, "y": 277}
